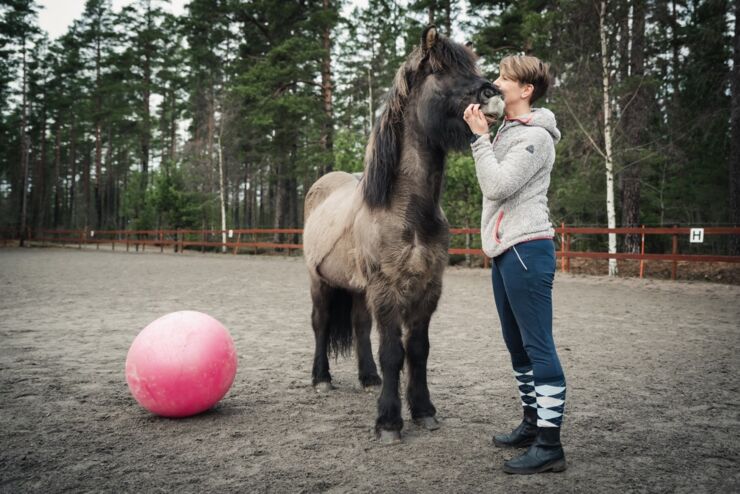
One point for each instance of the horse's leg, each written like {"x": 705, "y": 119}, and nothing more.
{"x": 362, "y": 323}
{"x": 321, "y": 298}
{"x": 417, "y": 351}
{"x": 389, "y": 423}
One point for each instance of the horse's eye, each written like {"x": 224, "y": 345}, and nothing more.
{"x": 489, "y": 93}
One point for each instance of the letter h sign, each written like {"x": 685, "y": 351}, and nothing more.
{"x": 696, "y": 236}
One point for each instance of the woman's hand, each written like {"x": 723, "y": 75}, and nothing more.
{"x": 475, "y": 119}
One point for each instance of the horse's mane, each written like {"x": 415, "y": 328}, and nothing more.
{"x": 383, "y": 150}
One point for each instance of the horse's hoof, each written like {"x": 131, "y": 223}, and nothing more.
{"x": 373, "y": 389}
{"x": 371, "y": 380}
{"x": 389, "y": 437}
{"x": 428, "y": 423}
{"x": 323, "y": 387}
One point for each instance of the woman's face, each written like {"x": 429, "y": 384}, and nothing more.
{"x": 513, "y": 91}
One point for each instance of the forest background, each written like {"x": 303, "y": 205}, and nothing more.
{"x": 223, "y": 116}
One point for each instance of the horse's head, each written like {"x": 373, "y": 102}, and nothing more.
{"x": 426, "y": 102}
{"x": 443, "y": 79}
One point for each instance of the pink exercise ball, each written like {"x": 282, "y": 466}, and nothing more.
{"x": 181, "y": 364}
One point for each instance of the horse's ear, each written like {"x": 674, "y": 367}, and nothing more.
{"x": 428, "y": 38}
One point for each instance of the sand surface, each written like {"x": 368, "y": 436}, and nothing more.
{"x": 652, "y": 369}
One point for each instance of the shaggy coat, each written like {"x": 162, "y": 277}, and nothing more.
{"x": 376, "y": 247}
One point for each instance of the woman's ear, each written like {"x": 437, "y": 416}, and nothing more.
{"x": 527, "y": 90}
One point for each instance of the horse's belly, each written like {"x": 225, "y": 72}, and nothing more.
{"x": 339, "y": 267}
{"x": 328, "y": 244}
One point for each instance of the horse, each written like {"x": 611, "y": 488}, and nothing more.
{"x": 376, "y": 247}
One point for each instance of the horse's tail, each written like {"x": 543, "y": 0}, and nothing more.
{"x": 340, "y": 322}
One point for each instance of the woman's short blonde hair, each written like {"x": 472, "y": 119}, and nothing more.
{"x": 527, "y": 70}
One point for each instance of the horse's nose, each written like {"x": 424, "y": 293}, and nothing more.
{"x": 488, "y": 91}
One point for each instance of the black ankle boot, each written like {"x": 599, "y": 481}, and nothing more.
{"x": 524, "y": 433}
{"x": 545, "y": 454}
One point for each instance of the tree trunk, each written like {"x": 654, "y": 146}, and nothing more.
{"x": 173, "y": 126}
{"x": 98, "y": 139}
{"x": 108, "y": 191}
{"x": 57, "y": 214}
{"x": 610, "y": 212}
{"x": 235, "y": 205}
{"x": 86, "y": 186}
{"x": 734, "y": 164}
{"x": 327, "y": 131}
{"x": 635, "y": 123}
{"x": 72, "y": 222}
{"x": 145, "y": 137}
{"x": 371, "y": 116}
{"x": 24, "y": 148}
{"x": 247, "y": 198}
{"x": 222, "y": 186}
{"x": 281, "y": 198}
{"x": 211, "y": 132}
{"x": 39, "y": 185}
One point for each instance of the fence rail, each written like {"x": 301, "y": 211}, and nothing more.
{"x": 239, "y": 239}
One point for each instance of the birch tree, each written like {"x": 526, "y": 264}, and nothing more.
{"x": 734, "y": 167}
{"x": 609, "y": 162}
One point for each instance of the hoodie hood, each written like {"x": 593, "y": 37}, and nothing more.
{"x": 540, "y": 117}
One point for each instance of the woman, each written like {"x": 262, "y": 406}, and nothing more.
{"x": 514, "y": 174}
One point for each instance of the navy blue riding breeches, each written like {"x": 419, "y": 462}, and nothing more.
{"x": 522, "y": 287}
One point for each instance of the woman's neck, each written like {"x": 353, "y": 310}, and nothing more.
{"x": 517, "y": 110}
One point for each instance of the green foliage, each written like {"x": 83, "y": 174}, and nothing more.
{"x": 462, "y": 195}
{"x": 349, "y": 151}
{"x": 177, "y": 207}
{"x": 236, "y": 86}
{"x": 137, "y": 205}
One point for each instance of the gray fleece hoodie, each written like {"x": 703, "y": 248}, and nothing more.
{"x": 514, "y": 174}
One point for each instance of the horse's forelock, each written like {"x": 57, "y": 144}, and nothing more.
{"x": 450, "y": 55}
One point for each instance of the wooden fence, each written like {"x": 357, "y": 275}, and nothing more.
{"x": 252, "y": 240}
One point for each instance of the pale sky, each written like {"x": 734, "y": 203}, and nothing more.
{"x": 55, "y": 16}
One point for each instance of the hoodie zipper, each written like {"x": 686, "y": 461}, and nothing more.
{"x": 495, "y": 229}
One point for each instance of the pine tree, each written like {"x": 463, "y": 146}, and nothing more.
{"x": 20, "y": 33}
{"x": 96, "y": 31}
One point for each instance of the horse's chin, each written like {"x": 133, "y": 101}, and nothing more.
{"x": 493, "y": 109}
{"x": 491, "y": 119}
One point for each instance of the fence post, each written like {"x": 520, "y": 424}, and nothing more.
{"x": 161, "y": 242}
{"x": 238, "y": 240}
{"x": 567, "y": 260}
{"x": 125, "y": 234}
{"x": 642, "y": 253}
{"x": 674, "y": 251}
{"x": 203, "y": 242}
{"x": 82, "y": 236}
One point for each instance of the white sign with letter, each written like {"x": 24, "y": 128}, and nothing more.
{"x": 696, "y": 236}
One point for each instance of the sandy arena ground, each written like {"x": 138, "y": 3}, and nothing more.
{"x": 652, "y": 369}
